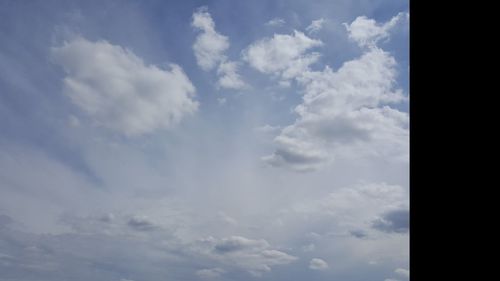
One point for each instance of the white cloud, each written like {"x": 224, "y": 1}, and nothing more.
{"x": 119, "y": 91}
{"x": 229, "y": 77}
{"x": 352, "y": 207}
{"x": 276, "y": 22}
{"x": 315, "y": 26}
{"x": 367, "y": 32}
{"x": 318, "y": 264}
{"x": 209, "y": 46}
{"x": 210, "y": 273}
{"x": 345, "y": 113}
{"x": 282, "y": 54}
{"x": 402, "y": 272}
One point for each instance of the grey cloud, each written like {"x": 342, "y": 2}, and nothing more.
{"x": 210, "y": 273}
{"x": 358, "y": 233}
{"x": 253, "y": 256}
{"x": 397, "y": 221}
{"x": 318, "y": 264}
{"x": 141, "y": 223}
{"x": 236, "y": 243}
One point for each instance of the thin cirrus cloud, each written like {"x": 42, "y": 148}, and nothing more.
{"x": 345, "y": 113}
{"x": 209, "y": 49}
{"x": 118, "y": 91}
{"x": 315, "y": 26}
{"x": 276, "y": 22}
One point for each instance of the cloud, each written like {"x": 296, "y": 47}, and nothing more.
{"x": 282, "y": 55}
{"x": 229, "y": 77}
{"x": 403, "y": 272}
{"x": 84, "y": 256}
{"x": 349, "y": 208}
{"x": 119, "y": 91}
{"x": 253, "y": 256}
{"x": 318, "y": 264}
{"x": 266, "y": 129}
{"x": 296, "y": 154}
{"x": 395, "y": 221}
{"x": 344, "y": 113}
{"x": 276, "y": 22}
{"x": 209, "y": 46}
{"x": 141, "y": 223}
{"x": 315, "y": 26}
{"x": 367, "y": 32}
{"x": 210, "y": 273}
{"x": 358, "y": 233}
{"x": 237, "y": 243}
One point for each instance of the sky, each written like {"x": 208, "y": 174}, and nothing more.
{"x": 204, "y": 140}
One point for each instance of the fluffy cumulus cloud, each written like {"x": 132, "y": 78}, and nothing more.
{"x": 115, "y": 88}
{"x": 209, "y": 49}
{"x": 367, "y": 32}
{"x": 282, "y": 55}
{"x": 209, "y": 46}
{"x": 318, "y": 264}
{"x": 346, "y": 113}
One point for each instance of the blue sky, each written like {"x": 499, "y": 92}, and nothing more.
{"x": 204, "y": 140}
